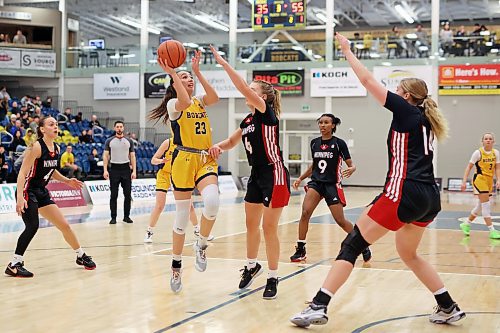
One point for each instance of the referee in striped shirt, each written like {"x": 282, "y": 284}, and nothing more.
{"x": 119, "y": 158}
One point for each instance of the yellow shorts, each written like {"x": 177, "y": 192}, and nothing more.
{"x": 482, "y": 184}
{"x": 189, "y": 168}
{"x": 162, "y": 180}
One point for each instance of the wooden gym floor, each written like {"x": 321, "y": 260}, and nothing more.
{"x": 129, "y": 291}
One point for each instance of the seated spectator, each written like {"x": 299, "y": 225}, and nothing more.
{"x": 446, "y": 38}
{"x": 68, "y": 166}
{"x": 19, "y": 38}
{"x": 37, "y": 112}
{"x": 4, "y": 167}
{"x": 134, "y": 139}
{"x": 29, "y": 137}
{"x": 17, "y": 126}
{"x": 67, "y": 113}
{"x": 18, "y": 145}
{"x": 7, "y": 38}
{"x": 422, "y": 39}
{"x": 15, "y": 107}
{"x": 25, "y": 120}
{"x": 94, "y": 121}
{"x": 12, "y": 122}
{"x": 4, "y": 93}
{"x": 85, "y": 137}
{"x": 94, "y": 158}
{"x": 4, "y": 107}
{"x": 2, "y": 38}
{"x": 37, "y": 101}
{"x": 398, "y": 39}
{"x": 78, "y": 118}
{"x": 47, "y": 103}
{"x": 461, "y": 41}
{"x": 34, "y": 124}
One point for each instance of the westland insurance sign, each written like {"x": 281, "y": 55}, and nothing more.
{"x": 116, "y": 86}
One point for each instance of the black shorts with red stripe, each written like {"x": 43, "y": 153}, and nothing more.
{"x": 417, "y": 203}
{"x": 332, "y": 193}
{"x": 39, "y": 196}
{"x": 269, "y": 185}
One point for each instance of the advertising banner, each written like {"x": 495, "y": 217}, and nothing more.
{"x": 65, "y": 196}
{"x": 227, "y": 184}
{"x": 336, "y": 82}
{"x": 10, "y": 58}
{"x": 288, "y": 82}
{"x": 221, "y": 83}
{"x": 116, "y": 86}
{"x": 7, "y": 198}
{"x": 469, "y": 79}
{"x": 391, "y": 76}
{"x": 142, "y": 189}
{"x": 45, "y": 61}
{"x": 154, "y": 85}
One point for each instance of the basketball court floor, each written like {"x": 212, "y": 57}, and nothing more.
{"x": 129, "y": 291}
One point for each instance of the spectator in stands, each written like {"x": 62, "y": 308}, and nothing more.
{"x": 461, "y": 41}
{"x": 47, "y": 103}
{"x": 34, "y": 124}
{"x": 67, "y": 113}
{"x": 29, "y": 137}
{"x": 68, "y": 166}
{"x": 4, "y": 121}
{"x": 25, "y": 120}
{"x": 18, "y": 145}
{"x": 38, "y": 112}
{"x": 85, "y": 137}
{"x": 7, "y": 38}
{"x": 94, "y": 121}
{"x": 37, "y": 101}
{"x": 2, "y": 38}
{"x": 4, "y": 93}
{"x": 446, "y": 38}
{"x": 15, "y": 107}
{"x": 4, "y": 108}
{"x": 398, "y": 39}
{"x": 94, "y": 158}
{"x": 79, "y": 117}
{"x": 18, "y": 126}
{"x": 3, "y": 166}
{"x": 134, "y": 139}
{"x": 19, "y": 38}
{"x": 422, "y": 42}
{"x": 12, "y": 123}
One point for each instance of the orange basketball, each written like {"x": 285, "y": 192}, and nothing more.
{"x": 173, "y": 52}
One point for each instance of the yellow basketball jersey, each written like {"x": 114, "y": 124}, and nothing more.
{"x": 192, "y": 128}
{"x": 167, "y": 167}
{"x": 487, "y": 163}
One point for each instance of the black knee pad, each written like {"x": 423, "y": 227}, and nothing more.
{"x": 352, "y": 246}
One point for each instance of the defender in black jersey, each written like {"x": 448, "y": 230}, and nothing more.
{"x": 409, "y": 202}
{"x": 41, "y": 162}
{"x": 328, "y": 152}
{"x": 268, "y": 189}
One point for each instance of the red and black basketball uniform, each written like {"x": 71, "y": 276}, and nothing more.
{"x": 269, "y": 181}
{"x": 326, "y": 178}
{"x": 410, "y": 193}
{"x": 39, "y": 175}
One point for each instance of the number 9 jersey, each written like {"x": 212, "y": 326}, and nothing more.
{"x": 327, "y": 159}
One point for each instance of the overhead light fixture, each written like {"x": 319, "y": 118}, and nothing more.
{"x": 404, "y": 14}
{"x": 275, "y": 40}
{"x": 321, "y": 15}
{"x": 138, "y": 26}
{"x": 212, "y": 22}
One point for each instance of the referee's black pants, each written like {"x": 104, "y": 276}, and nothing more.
{"x": 120, "y": 174}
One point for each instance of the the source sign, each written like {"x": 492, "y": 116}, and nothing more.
{"x": 288, "y": 82}
{"x": 154, "y": 85}
{"x": 65, "y": 196}
{"x": 222, "y": 84}
{"x": 336, "y": 82}
{"x": 7, "y": 198}
{"x": 116, "y": 86}
{"x": 142, "y": 189}
{"x": 469, "y": 79}
{"x": 45, "y": 61}
{"x": 390, "y": 77}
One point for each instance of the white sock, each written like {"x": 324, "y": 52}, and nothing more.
{"x": 326, "y": 291}
{"x": 177, "y": 257}
{"x": 302, "y": 241}
{"x": 16, "y": 258}
{"x": 251, "y": 263}
{"x": 197, "y": 228}
{"x": 491, "y": 227}
{"x": 272, "y": 274}
{"x": 440, "y": 291}
{"x": 202, "y": 241}
{"x": 79, "y": 252}
{"x": 150, "y": 229}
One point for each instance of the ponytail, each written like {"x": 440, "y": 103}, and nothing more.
{"x": 336, "y": 121}
{"x": 277, "y": 103}
{"x": 439, "y": 124}
{"x": 161, "y": 110}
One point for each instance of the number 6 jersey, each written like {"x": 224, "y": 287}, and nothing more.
{"x": 261, "y": 138}
{"x": 327, "y": 159}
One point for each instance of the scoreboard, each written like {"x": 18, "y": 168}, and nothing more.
{"x": 278, "y": 14}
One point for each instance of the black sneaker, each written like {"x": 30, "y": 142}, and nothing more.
{"x": 249, "y": 275}
{"x": 271, "y": 289}
{"x": 127, "y": 220}
{"x": 367, "y": 254}
{"x": 299, "y": 255}
{"x": 112, "y": 221}
{"x": 18, "y": 270}
{"x": 86, "y": 262}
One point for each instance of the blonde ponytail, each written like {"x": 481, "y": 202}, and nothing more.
{"x": 277, "y": 103}
{"x": 439, "y": 124}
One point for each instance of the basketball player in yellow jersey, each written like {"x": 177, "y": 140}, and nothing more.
{"x": 191, "y": 164}
{"x": 164, "y": 156}
{"x": 487, "y": 162}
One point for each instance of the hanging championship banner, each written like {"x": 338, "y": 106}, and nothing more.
{"x": 288, "y": 82}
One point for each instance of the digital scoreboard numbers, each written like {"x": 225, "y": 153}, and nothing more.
{"x": 278, "y": 14}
